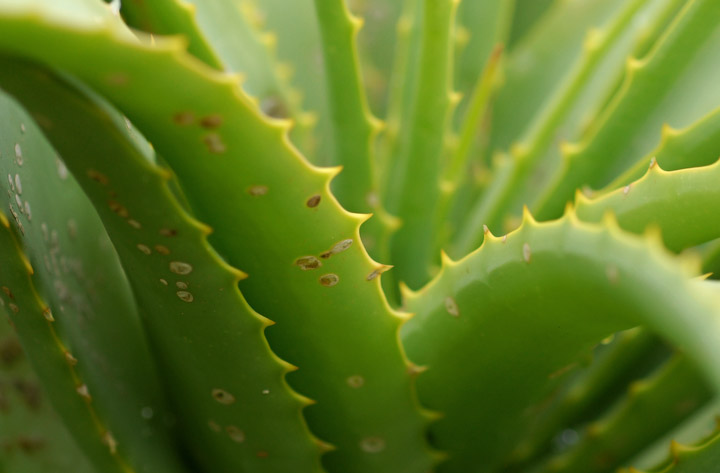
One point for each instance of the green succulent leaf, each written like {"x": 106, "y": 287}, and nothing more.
{"x": 652, "y": 407}
{"x": 47, "y": 353}
{"x": 529, "y": 283}
{"x": 631, "y": 125}
{"x": 680, "y": 203}
{"x": 188, "y": 296}
{"x": 195, "y": 295}
{"x": 534, "y": 159}
{"x": 235, "y": 37}
{"x": 319, "y": 271}
{"x": 536, "y": 66}
{"x": 590, "y": 391}
{"x": 480, "y": 27}
{"x": 81, "y": 330}
{"x": 295, "y": 30}
{"x": 355, "y": 127}
{"x": 32, "y": 435}
{"x": 171, "y": 17}
{"x": 693, "y": 146}
{"x": 700, "y": 458}
{"x": 414, "y": 188}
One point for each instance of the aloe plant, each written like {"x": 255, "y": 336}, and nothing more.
{"x": 364, "y": 236}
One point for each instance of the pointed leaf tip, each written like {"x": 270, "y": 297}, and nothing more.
{"x": 445, "y": 259}
{"x": 527, "y": 217}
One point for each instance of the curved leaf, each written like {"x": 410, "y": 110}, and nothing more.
{"x": 232, "y": 162}
{"x": 498, "y": 329}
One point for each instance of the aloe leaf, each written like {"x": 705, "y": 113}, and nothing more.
{"x": 653, "y": 407}
{"x": 33, "y": 438}
{"x": 484, "y": 26}
{"x": 88, "y": 324}
{"x": 692, "y": 146}
{"x": 711, "y": 260}
{"x": 652, "y": 27}
{"x": 402, "y": 84}
{"x": 413, "y": 189}
{"x": 228, "y": 395}
{"x": 630, "y": 355}
{"x": 631, "y": 125}
{"x": 236, "y": 38}
{"x": 528, "y": 14}
{"x": 401, "y": 88}
{"x": 480, "y": 27}
{"x": 355, "y": 127}
{"x": 171, "y": 17}
{"x": 375, "y": 424}
{"x": 700, "y": 458}
{"x": 376, "y": 46}
{"x": 528, "y": 283}
{"x": 536, "y": 65}
{"x": 244, "y": 47}
{"x": 535, "y": 157}
{"x": 680, "y": 203}
{"x": 47, "y": 354}
{"x": 295, "y": 30}
{"x": 458, "y": 181}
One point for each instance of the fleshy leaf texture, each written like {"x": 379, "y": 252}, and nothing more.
{"x": 631, "y": 124}
{"x": 299, "y": 49}
{"x": 245, "y": 48}
{"x": 273, "y": 217}
{"x": 188, "y": 298}
{"x": 33, "y": 438}
{"x": 693, "y": 146}
{"x": 480, "y": 27}
{"x": 74, "y": 311}
{"x": 559, "y": 288}
{"x": 354, "y": 126}
{"x": 701, "y": 458}
{"x": 171, "y": 17}
{"x": 652, "y": 407}
{"x": 227, "y": 36}
{"x": 590, "y": 391}
{"x": 538, "y": 63}
{"x": 69, "y": 394}
{"x": 682, "y": 204}
{"x": 536, "y": 156}
{"x": 413, "y": 188}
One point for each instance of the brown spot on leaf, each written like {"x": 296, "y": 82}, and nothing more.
{"x": 10, "y": 352}
{"x": 98, "y": 177}
{"x": 223, "y": 397}
{"x": 30, "y": 445}
{"x": 329, "y": 280}
{"x": 168, "y": 232}
{"x": 308, "y": 262}
{"x": 29, "y": 392}
{"x": 235, "y": 434}
{"x": 257, "y": 190}
{"x": 8, "y": 292}
{"x": 118, "y": 208}
{"x": 214, "y": 143}
{"x": 211, "y": 121}
{"x": 339, "y": 247}
{"x": 184, "y": 118}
